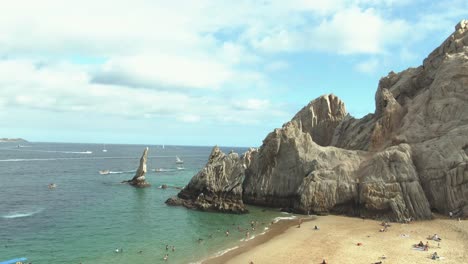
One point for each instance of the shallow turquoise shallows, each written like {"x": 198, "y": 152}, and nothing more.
{"x": 88, "y": 216}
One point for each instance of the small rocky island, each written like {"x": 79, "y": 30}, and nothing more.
{"x": 406, "y": 160}
{"x": 139, "y": 180}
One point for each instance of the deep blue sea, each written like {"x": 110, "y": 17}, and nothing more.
{"x": 88, "y": 215}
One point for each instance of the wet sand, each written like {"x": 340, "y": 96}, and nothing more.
{"x": 338, "y": 238}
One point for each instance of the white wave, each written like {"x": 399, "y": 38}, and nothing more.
{"x": 120, "y": 172}
{"x": 222, "y": 252}
{"x": 19, "y": 214}
{"x": 75, "y": 152}
{"x": 162, "y": 170}
{"x": 48, "y": 159}
{"x": 56, "y": 151}
{"x": 281, "y": 218}
{"x": 13, "y": 160}
{"x": 250, "y": 238}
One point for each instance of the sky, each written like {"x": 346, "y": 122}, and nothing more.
{"x": 200, "y": 72}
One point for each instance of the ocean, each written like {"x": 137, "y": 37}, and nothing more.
{"x": 88, "y": 216}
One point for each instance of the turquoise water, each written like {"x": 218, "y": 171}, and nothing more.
{"x": 89, "y": 215}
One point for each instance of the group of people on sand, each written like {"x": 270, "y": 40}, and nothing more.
{"x": 385, "y": 225}
{"x": 425, "y": 247}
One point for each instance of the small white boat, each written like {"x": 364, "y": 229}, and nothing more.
{"x": 104, "y": 149}
{"x": 179, "y": 161}
{"x": 104, "y": 172}
{"x": 52, "y": 186}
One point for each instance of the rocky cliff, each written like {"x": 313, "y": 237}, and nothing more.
{"x": 217, "y": 187}
{"x": 139, "y": 180}
{"x": 405, "y": 160}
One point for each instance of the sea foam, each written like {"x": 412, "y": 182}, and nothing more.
{"x": 19, "y": 214}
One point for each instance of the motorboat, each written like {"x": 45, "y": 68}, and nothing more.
{"x": 104, "y": 172}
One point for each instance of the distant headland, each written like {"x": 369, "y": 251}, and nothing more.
{"x": 12, "y": 140}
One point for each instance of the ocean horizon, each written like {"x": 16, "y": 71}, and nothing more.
{"x": 88, "y": 215}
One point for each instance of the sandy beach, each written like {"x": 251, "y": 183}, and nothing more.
{"x": 338, "y": 237}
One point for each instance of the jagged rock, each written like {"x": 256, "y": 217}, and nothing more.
{"x": 405, "y": 160}
{"x": 217, "y": 187}
{"x": 320, "y": 118}
{"x": 139, "y": 179}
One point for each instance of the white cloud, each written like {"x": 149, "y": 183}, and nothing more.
{"x": 152, "y": 70}
{"x": 68, "y": 88}
{"x": 186, "y": 54}
{"x": 368, "y": 66}
{"x": 276, "y": 66}
{"x": 189, "y": 118}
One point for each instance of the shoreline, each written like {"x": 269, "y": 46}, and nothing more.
{"x": 351, "y": 240}
{"x": 276, "y": 228}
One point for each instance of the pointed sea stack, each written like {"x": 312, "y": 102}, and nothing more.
{"x": 139, "y": 179}
{"x": 406, "y": 160}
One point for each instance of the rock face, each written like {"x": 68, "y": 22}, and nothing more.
{"x": 407, "y": 159}
{"x": 217, "y": 187}
{"x": 139, "y": 179}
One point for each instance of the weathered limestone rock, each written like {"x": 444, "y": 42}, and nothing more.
{"x": 320, "y": 118}
{"x": 405, "y": 160}
{"x": 139, "y": 179}
{"x": 217, "y": 187}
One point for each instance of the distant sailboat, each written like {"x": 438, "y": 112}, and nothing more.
{"x": 163, "y": 147}
{"x": 179, "y": 161}
{"x": 104, "y": 148}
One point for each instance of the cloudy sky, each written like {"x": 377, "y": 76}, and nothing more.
{"x": 199, "y": 72}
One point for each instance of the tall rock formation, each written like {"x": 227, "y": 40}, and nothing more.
{"x": 217, "y": 187}
{"x": 139, "y": 180}
{"x": 405, "y": 160}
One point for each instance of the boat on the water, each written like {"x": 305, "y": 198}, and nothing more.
{"x": 180, "y": 168}
{"x": 14, "y": 261}
{"x": 104, "y": 149}
{"x": 104, "y": 172}
{"x": 52, "y": 186}
{"x": 178, "y": 160}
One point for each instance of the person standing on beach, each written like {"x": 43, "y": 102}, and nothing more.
{"x": 247, "y": 235}
{"x": 300, "y": 222}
